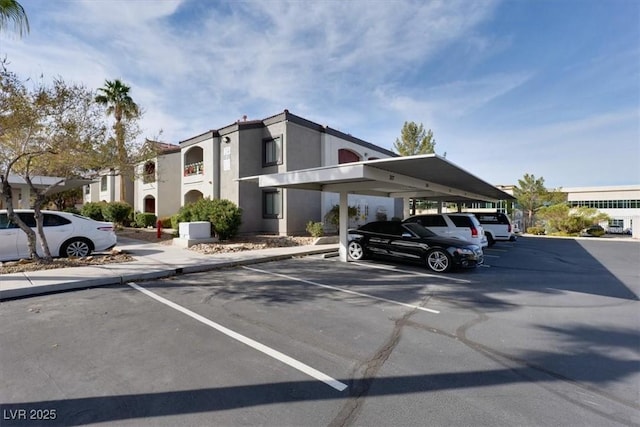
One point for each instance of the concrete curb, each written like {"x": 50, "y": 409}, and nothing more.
{"x": 31, "y": 289}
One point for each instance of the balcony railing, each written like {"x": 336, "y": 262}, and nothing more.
{"x": 196, "y": 168}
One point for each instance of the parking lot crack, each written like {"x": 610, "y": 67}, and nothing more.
{"x": 359, "y": 388}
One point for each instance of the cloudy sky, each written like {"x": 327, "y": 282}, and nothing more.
{"x": 550, "y": 88}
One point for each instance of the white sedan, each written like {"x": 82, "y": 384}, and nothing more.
{"x": 68, "y": 235}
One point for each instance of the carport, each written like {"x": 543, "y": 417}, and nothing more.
{"x": 426, "y": 176}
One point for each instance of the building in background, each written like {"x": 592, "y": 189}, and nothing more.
{"x": 106, "y": 188}
{"x": 157, "y": 184}
{"x": 621, "y": 203}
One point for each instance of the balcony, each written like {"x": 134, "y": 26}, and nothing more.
{"x": 196, "y": 168}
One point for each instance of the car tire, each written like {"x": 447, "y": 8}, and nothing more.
{"x": 77, "y": 247}
{"x": 439, "y": 261}
{"x": 356, "y": 251}
{"x": 490, "y": 240}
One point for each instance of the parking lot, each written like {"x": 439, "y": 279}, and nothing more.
{"x": 545, "y": 333}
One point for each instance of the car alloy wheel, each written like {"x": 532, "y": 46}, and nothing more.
{"x": 355, "y": 250}
{"x": 438, "y": 261}
{"x": 76, "y": 248}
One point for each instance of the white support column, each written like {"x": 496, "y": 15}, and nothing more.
{"x": 344, "y": 225}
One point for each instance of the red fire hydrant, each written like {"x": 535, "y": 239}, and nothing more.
{"x": 159, "y": 229}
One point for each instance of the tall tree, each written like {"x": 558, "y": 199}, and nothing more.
{"x": 50, "y": 130}
{"x": 13, "y": 14}
{"x": 115, "y": 96}
{"x": 531, "y": 195}
{"x": 414, "y": 139}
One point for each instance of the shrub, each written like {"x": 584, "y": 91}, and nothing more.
{"x": 535, "y": 230}
{"x": 93, "y": 210}
{"x": 72, "y": 209}
{"x": 176, "y": 220}
{"x": 166, "y": 222}
{"x": 333, "y": 216}
{"x": 315, "y": 229}
{"x": 225, "y": 217}
{"x": 145, "y": 219}
{"x": 118, "y": 212}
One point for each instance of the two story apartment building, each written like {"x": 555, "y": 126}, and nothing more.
{"x": 211, "y": 165}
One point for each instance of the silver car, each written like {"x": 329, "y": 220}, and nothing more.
{"x": 68, "y": 235}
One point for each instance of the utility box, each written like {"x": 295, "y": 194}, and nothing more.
{"x": 192, "y": 233}
{"x": 194, "y": 230}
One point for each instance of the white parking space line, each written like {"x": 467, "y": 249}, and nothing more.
{"x": 491, "y": 256}
{"x": 413, "y": 273}
{"x": 334, "y": 288}
{"x": 247, "y": 341}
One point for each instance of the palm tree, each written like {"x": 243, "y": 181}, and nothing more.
{"x": 115, "y": 95}
{"x": 12, "y": 13}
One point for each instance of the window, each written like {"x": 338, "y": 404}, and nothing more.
{"x": 347, "y": 156}
{"x": 431, "y": 221}
{"x": 272, "y": 151}
{"x": 51, "y": 220}
{"x": 87, "y": 189}
{"x": 28, "y": 218}
{"x": 103, "y": 183}
{"x": 271, "y": 204}
{"x": 149, "y": 172}
{"x": 4, "y": 221}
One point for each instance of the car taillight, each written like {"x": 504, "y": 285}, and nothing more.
{"x": 474, "y": 232}
{"x": 105, "y": 228}
{"x": 509, "y": 228}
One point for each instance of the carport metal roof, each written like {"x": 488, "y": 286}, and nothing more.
{"x": 428, "y": 176}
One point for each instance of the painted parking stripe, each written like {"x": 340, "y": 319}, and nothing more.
{"x": 413, "y": 273}
{"x": 334, "y": 288}
{"x": 247, "y": 341}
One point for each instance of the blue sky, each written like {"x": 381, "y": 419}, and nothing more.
{"x": 547, "y": 87}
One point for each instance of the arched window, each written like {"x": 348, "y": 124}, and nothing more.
{"x": 347, "y": 156}
{"x": 149, "y": 172}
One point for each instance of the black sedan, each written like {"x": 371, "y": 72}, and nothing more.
{"x": 412, "y": 241}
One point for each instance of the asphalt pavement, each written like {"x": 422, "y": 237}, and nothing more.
{"x": 151, "y": 261}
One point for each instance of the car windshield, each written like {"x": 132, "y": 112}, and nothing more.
{"x": 419, "y": 229}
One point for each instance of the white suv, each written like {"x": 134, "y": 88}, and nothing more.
{"x": 460, "y": 225}
{"x": 496, "y": 226}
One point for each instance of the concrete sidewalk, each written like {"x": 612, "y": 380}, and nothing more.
{"x": 151, "y": 261}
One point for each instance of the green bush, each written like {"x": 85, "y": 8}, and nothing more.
{"x": 145, "y": 219}
{"x": 315, "y": 229}
{"x": 93, "y": 210}
{"x": 535, "y": 230}
{"x": 166, "y": 222}
{"x": 333, "y": 216}
{"x": 175, "y": 221}
{"x": 118, "y": 212}
{"x": 72, "y": 209}
{"x": 225, "y": 217}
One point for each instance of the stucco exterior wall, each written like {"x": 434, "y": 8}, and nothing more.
{"x": 369, "y": 207}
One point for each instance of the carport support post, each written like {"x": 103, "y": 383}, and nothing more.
{"x": 344, "y": 225}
